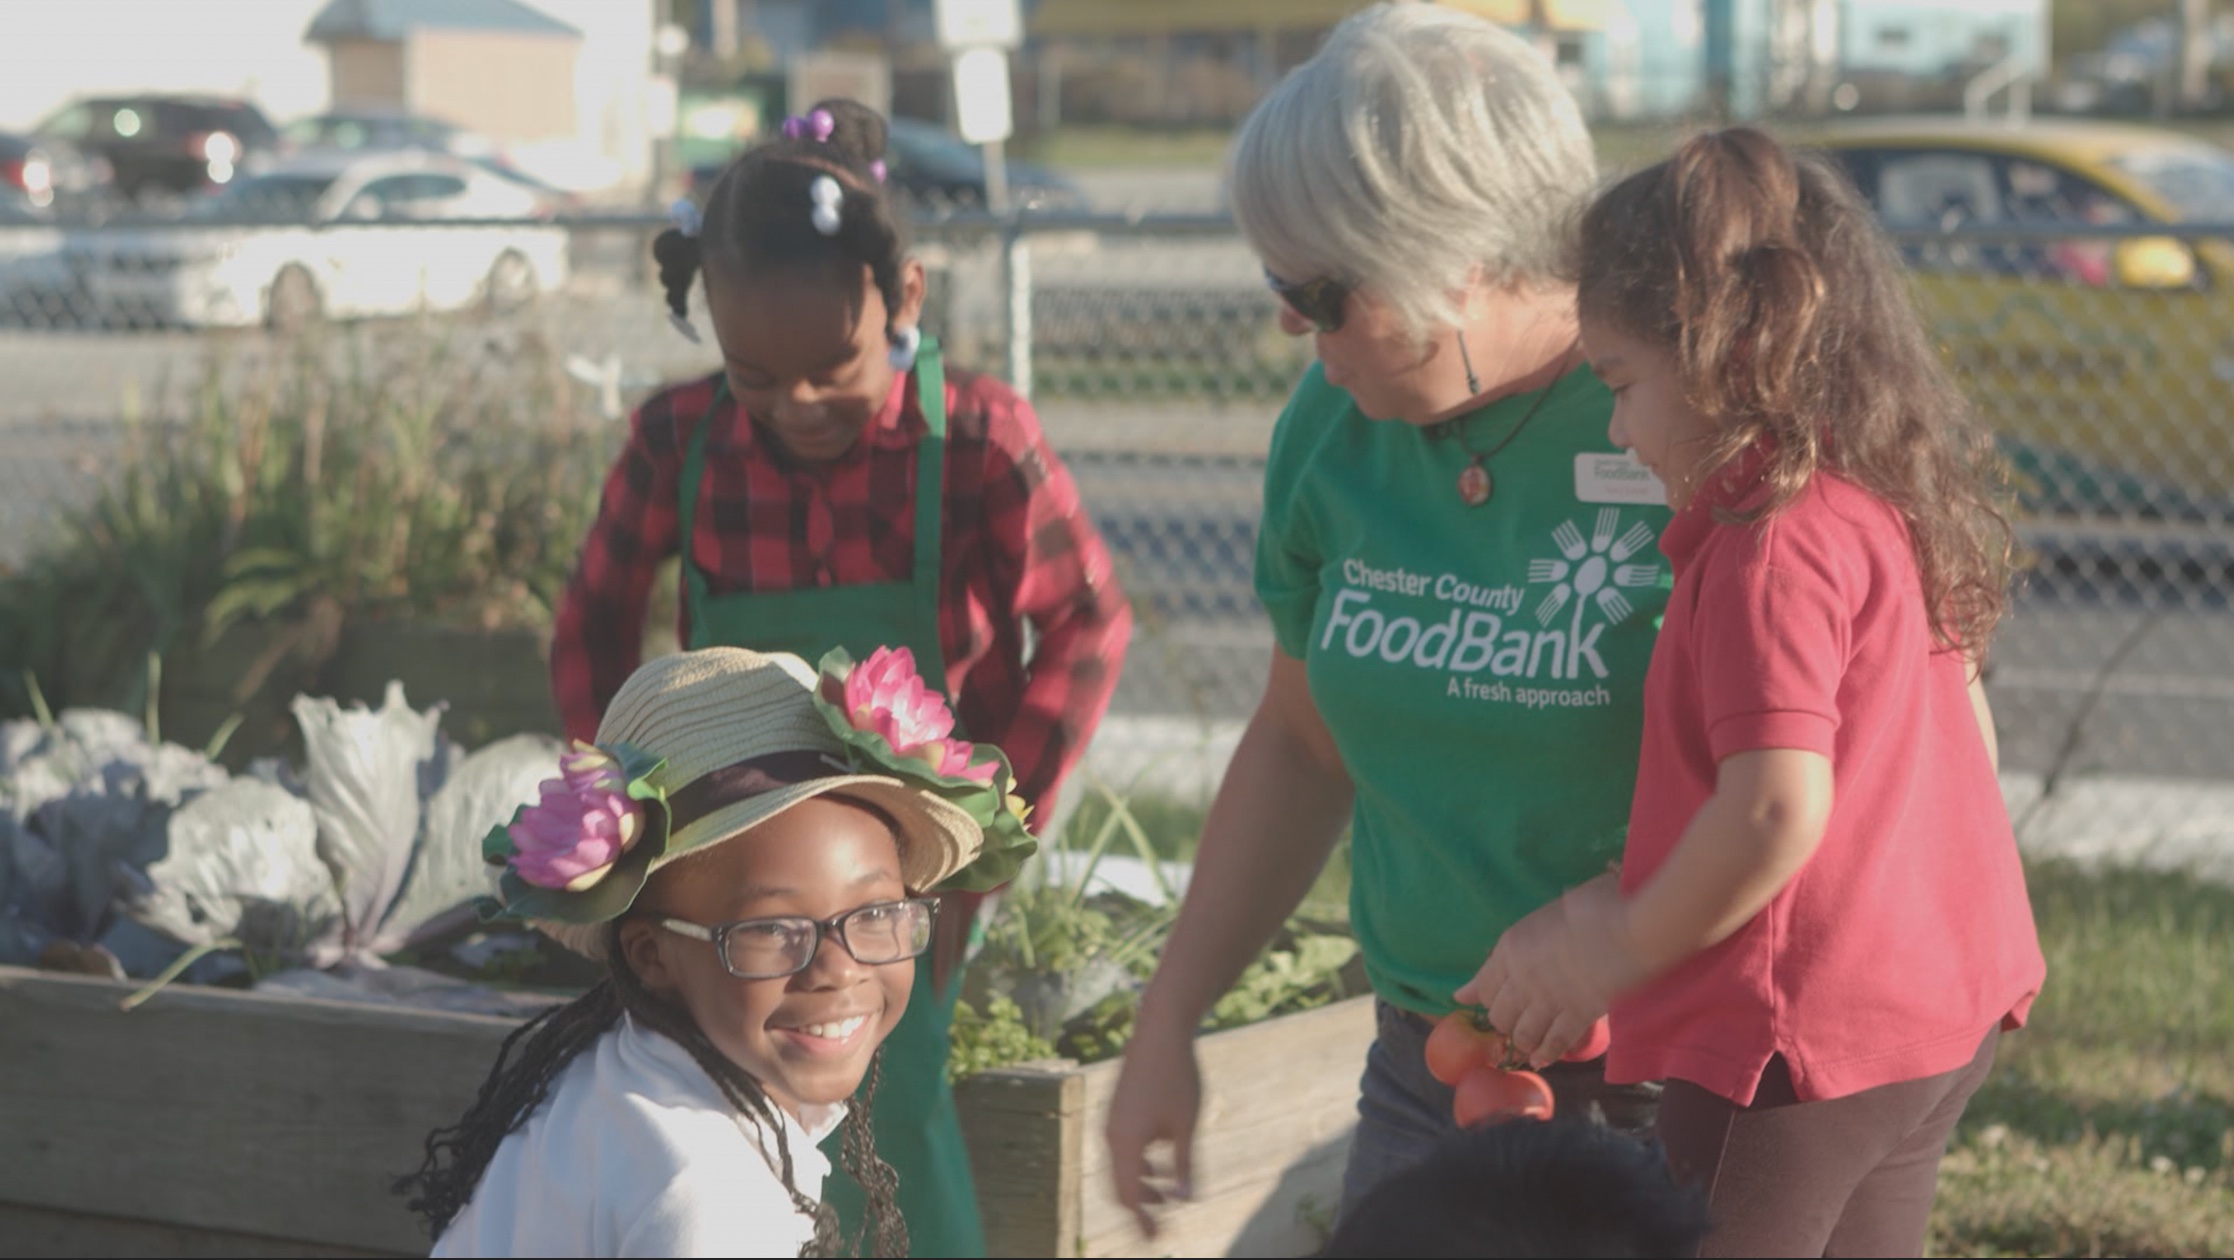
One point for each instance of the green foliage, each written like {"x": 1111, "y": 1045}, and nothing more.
{"x": 994, "y": 1039}
{"x": 410, "y": 476}
{"x": 1061, "y": 968}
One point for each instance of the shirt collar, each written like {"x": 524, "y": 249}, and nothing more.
{"x": 1736, "y": 487}
{"x": 897, "y": 425}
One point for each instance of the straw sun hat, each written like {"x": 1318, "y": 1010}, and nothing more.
{"x": 698, "y": 747}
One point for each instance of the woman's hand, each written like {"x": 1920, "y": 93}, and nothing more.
{"x": 1553, "y": 973}
{"x": 1157, "y": 1100}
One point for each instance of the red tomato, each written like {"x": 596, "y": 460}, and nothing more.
{"x": 1490, "y": 1094}
{"x": 1593, "y": 1043}
{"x": 1460, "y": 1044}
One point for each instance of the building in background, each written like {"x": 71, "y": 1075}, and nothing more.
{"x": 496, "y": 67}
{"x": 593, "y": 130}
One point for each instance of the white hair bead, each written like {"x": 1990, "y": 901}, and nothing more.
{"x": 828, "y": 198}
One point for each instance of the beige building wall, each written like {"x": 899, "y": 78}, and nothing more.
{"x": 511, "y": 87}
{"x": 368, "y": 72}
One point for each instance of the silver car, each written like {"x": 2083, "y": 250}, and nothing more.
{"x": 333, "y": 236}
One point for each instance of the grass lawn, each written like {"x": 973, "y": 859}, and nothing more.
{"x": 2107, "y": 1127}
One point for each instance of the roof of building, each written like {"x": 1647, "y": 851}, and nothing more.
{"x": 393, "y": 19}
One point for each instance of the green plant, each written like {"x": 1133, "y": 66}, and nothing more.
{"x": 1062, "y": 961}
{"x": 384, "y": 476}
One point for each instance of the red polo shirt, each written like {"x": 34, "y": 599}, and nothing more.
{"x": 1908, "y": 935}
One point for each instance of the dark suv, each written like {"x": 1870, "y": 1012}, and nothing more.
{"x": 166, "y": 147}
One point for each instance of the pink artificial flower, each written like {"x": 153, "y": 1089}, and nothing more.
{"x": 884, "y": 695}
{"x": 589, "y": 766}
{"x": 584, "y": 822}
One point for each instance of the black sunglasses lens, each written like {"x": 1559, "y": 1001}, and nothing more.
{"x": 1319, "y": 301}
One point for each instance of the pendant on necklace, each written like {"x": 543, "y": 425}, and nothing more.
{"x": 1474, "y": 485}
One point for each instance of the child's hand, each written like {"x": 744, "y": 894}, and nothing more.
{"x": 1554, "y": 972}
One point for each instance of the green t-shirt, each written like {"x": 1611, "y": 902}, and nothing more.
{"x": 1481, "y": 668}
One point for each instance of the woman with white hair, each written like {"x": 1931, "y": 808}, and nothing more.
{"x": 1458, "y": 564}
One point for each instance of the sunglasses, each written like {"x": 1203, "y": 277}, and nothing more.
{"x": 1319, "y": 301}
{"x": 772, "y": 948}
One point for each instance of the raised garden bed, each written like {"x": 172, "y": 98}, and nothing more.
{"x": 216, "y": 1122}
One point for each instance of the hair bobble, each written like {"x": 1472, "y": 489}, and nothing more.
{"x": 877, "y": 169}
{"x": 829, "y": 199}
{"x": 816, "y": 125}
{"x": 676, "y": 251}
{"x": 684, "y": 214}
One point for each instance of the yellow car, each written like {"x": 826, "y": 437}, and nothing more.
{"x": 2105, "y": 361}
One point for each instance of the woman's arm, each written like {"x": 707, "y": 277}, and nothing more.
{"x": 1282, "y": 806}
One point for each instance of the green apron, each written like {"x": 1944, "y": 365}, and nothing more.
{"x": 917, "y": 1131}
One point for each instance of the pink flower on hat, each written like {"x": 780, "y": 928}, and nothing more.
{"x": 885, "y": 696}
{"x": 585, "y": 820}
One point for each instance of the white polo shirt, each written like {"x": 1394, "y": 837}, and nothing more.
{"x": 637, "y": 1153}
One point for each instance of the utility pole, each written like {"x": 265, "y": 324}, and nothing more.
{"x": 2195, "y": 47}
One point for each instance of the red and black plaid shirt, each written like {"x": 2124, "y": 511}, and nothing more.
{"x": 1018, "y": 548}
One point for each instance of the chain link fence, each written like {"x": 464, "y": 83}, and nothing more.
{"x": 2103, "y": 359}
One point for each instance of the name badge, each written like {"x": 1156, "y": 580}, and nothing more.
{"x": 1601, "y": 478}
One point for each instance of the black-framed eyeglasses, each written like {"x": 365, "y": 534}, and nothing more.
{"x": 785, "y": 945}
{"x": 1321, "y": 301}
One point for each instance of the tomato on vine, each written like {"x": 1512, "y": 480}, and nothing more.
{"x": 1489, "y": 1094}
{"x": 1461, "y": 1042}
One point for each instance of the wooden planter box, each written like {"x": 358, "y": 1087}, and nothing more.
{"x": 212, "y": 1122}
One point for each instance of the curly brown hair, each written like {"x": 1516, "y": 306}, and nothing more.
{"x": 1788, "y": 313}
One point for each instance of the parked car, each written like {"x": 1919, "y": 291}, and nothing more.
{"x": 380, "y": 131}
{"x": 166, "y": 148}
{"x": 36, "y": 287}
{"x": 932, "y": 169}
{"x": 2103, "y": 360}
{"x": 46, "y": 173}
{"x": 332, "y": 236}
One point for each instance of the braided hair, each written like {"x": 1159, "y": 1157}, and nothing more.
{"x": 767, "y": 210}
{"x": 457, "y": 1156}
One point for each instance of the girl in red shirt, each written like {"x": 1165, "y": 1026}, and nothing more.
{"x": 1820, "y": 923}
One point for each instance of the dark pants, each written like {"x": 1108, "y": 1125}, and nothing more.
{"x": 1403, "y": 1112}
{"x": 1851, "y": 1176}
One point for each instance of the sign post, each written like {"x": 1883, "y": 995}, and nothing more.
{"x": 979, "y": 35}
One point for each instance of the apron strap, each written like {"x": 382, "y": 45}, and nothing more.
{"x": 930, "y": 473}
{"x": 694, "y": 472}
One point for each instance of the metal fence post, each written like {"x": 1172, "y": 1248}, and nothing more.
{"x": 1016, "y": 276}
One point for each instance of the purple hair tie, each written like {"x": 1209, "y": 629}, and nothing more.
{"x": 817, "y": 125}
{"x": 876, "y": 168}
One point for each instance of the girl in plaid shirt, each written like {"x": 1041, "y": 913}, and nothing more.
{"x": 801, "y": 469}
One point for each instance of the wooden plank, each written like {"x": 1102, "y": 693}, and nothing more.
{"x": 219, "y": 1110}
{"x": 1279, "y": 1104}
{"x": 27, "y": 1232}
{"x": 1025, "y": 1129}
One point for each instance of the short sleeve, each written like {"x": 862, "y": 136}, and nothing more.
{"x": 1289, "y": 558}
{"x": 1772, "y": 633}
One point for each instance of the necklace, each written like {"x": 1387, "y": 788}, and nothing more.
{"x": 1475, "y": 485}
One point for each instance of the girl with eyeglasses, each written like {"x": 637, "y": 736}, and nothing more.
{"x": 751, "y": 851}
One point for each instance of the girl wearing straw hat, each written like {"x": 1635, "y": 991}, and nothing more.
{"x": 750, "y": 849}
{"x": 835, "y": 486}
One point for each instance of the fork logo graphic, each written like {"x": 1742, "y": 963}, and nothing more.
{"x": 1590, "y": 572}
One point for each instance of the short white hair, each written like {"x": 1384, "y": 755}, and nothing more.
{"x": 1421, "y": 149}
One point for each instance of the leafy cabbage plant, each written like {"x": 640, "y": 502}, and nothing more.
{"x": 149, "y": 850}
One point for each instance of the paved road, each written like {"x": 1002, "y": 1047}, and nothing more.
{"x": 1175, "y": 488}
